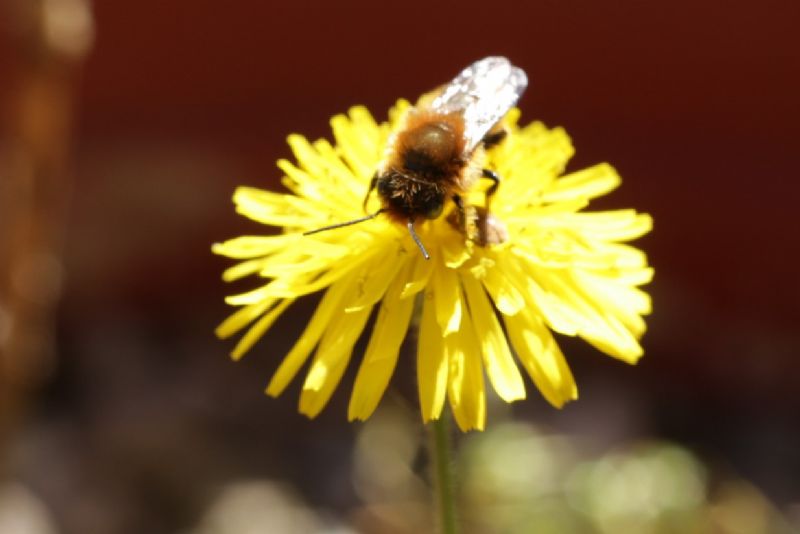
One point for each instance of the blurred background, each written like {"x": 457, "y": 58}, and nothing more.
{"x": 125, "y": 127}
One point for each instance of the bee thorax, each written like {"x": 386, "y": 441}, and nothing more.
{"x": 430, "y": 149}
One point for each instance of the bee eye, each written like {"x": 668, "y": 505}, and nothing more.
{"x": 434, "y": 210}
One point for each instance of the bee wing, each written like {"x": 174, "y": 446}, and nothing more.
{"x": 482, "y": 93}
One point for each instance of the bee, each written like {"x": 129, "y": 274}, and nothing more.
{"x": 438, "y": 153}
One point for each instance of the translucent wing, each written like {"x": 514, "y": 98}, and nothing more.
{"x": 483, "y": 93}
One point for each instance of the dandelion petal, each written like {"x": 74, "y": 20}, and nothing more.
{"x": 447, "y": 297}
{"x": 465, "y": 384}
{"x": 431, "y": 362}
{"x": 308, "y": 340}
{"x": 541, "y": 357}
{"x": 380, "y": 358}
{"x": 259, "y": 329}
{"x": 497, "y": 358}
{"x": 331, "y": 360}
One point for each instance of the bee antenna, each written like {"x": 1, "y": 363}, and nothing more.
{"x": 415, "y": 237}
{"x": 347, "y": 223}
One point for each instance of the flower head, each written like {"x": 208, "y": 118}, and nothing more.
{"x": 484, "y": 309}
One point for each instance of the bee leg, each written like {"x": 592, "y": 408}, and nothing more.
{"x": 459, "y": 202}
{"x": 493, "y": 176}
{"x": 372, "y": 184}
{"x": 466, "y": 219}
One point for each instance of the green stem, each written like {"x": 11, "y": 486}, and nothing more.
{"x": 443, "y": 465}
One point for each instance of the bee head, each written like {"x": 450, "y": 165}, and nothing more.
{"x": 408, "y": 197}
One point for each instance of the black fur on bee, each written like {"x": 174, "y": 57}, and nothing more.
{"x": 407, "y": 197}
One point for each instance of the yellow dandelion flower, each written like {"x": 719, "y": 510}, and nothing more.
{"x": 484, "y": 309}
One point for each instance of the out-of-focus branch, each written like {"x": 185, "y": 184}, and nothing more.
{"x": 48, "y": 40}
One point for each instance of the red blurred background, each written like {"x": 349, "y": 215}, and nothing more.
{"x": 129, "y": 415}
